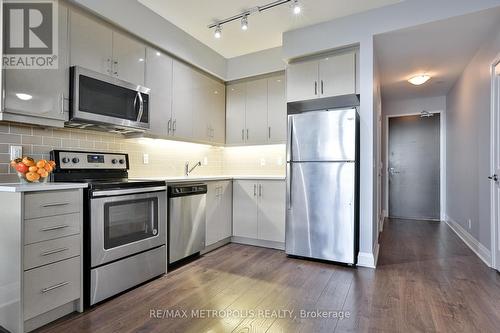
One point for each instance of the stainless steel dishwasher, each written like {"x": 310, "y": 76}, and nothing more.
{"x": 186, "y": 220}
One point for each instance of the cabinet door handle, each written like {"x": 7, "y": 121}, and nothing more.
{"x": 269, "y": 130}
{"x": 254, "y": 190}
{"x": 62, "y": 103}
{"x": 322, "y": 86}
{"x": 242, "y": 135}
{"x": 315, "y": 87}
{"x": 247, "y": 134}
{"x": 174, "y": 126}
{"x": 260, "y": 190}
{"x": 109, "y": 70}
{"x": 59, "y": 285}
{"x": 169, "y": 126}
{"x": 56, "y": 204}
{"x": 48, "y": 253}
{"x": 57, "y": 227}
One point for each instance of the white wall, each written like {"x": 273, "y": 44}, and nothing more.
{"x": 262, "y": 62}
{"x": 402, "y": 107}
{"x": 468, "y": 144}
{"x": 146, "y": 24}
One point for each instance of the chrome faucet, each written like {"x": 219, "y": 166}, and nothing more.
{"x": 187, "y": 170}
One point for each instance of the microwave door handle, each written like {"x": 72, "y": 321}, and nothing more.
{"x": 141, "y": 106}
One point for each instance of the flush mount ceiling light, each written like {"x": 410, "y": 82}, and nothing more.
{"x": 420, "y": 79}
{"x": 295, "y": 5}
{"x": 244, "y": 23}
{"x": 24, "y": 97}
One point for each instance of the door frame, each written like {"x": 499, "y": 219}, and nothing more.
{"x": 442, "y": 159}
{"x": 494, "y": 114}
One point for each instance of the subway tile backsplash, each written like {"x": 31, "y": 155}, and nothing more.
{"x": 166, "y": 158}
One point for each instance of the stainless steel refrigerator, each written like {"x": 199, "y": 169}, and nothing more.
{"x": 322, "y": 185}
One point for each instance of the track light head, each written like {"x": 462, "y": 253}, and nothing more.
{"x": 296, "y": 7}
{"x": 218, "y": 32}
{"x": 244, "y": 23}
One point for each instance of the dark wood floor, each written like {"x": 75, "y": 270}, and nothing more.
{"x": 427, "y": 280}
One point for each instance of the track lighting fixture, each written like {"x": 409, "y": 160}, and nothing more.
{"x": 244, "y": 23}
{"x": 218, "y": 32}
{"x": 295, "y": 5}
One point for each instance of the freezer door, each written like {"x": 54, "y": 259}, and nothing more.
{"x": 322, "y": 136}
{"x": 320, "y": 211}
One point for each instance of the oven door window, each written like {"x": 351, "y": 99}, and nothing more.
{"x": 130, "y": 221}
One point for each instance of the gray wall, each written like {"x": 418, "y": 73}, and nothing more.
{"x": 468, "y": 144}
{"x": 401, "y": 107}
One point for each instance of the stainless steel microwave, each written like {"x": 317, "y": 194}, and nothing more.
{"x": 107, "y": 102}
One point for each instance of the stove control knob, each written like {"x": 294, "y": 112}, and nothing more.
{"x": 122, "y": 161}
{"x": 65, "y": 160}
{"x": 114, "y": 161}
{"x": 75, "y": 160}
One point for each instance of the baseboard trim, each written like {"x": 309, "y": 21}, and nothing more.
{"x": 479, "y": 249}
{"x": 258, "y": 242}
{"x": 215, "y": 246}
{"x": 367, "y": 259}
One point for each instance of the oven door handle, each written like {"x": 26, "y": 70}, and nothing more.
{"x": 128, "y": 191}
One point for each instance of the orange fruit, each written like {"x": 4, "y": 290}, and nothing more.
{"x": 41, "y": 163}
{"x": 33, "y": 169}
{"x": 44, "y": 173}
{"x": 52, "y": 163}
{"x": 28, "y": 161}
{"x": 32, "y": 176}
{"x": 48, "y": 167}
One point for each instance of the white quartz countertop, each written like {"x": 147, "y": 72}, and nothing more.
{"x": 18, "y": 187}
{"x": 213, "y": 178}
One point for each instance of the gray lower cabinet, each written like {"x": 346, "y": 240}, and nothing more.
{"x": 40, "y": 257}
{"x": 40, "y": 96}
{"x": 219, "y": 210}
{"x": 259, "y": 212}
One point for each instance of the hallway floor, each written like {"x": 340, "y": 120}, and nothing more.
{"x": 426, "y": 280}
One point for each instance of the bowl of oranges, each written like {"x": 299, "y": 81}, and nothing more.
{"x": 31, "y": 171}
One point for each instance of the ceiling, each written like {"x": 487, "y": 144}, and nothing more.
{"x": 442, "y": 49}
{"x": 265, "y": 29}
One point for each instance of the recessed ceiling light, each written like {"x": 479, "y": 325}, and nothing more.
{"x": 24, "y": 97}
{"x": 296, "y": 7}
{"x": 244, "y": 23}
{"x": 141, "y": 59}
{"x": 158, "y": 54}
{"x": 218, "y": 32}
{"x": 418, "y": 80}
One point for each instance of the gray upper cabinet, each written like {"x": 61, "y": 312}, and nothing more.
{"x": 332, "y": 75}
{"x": 159, "y": 80}
{"x": 184, "y": 100}
{"x": 45, "y": 92}
{"x": 235, "y": 114}
{"x": 96, "y": 46}
{"x": 91, "y": 43}
{"x": 276, "y": 106}
{"x": 256, "y": 111}
{"x": 129, "y": 57}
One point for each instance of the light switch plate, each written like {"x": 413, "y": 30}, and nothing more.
{"x": 145, "y": 158}
{"x": 262, "y": 162}
{"x": 16, "y": 152}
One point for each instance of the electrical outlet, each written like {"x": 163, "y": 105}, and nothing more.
{"x": 205, "y": 160}
{"x": 279, "y": 161}
{"x": 145, "y": 158}
{"x": 16, "y": 152}
{"x": 262, "y": 162}
{"x": 470, "y": 223}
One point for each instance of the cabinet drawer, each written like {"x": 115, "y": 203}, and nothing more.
{"x": 47, "y": 252}
{"x": 47, "y": 228}
{"x": 51, "y": 286}
{"x": 50, "y": 203}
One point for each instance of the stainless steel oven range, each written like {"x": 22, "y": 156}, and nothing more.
{"x": 125, "y": 222}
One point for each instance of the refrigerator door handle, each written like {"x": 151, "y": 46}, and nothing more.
{"x": 289, "y": 139}
{"x": 289, "y": 185}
